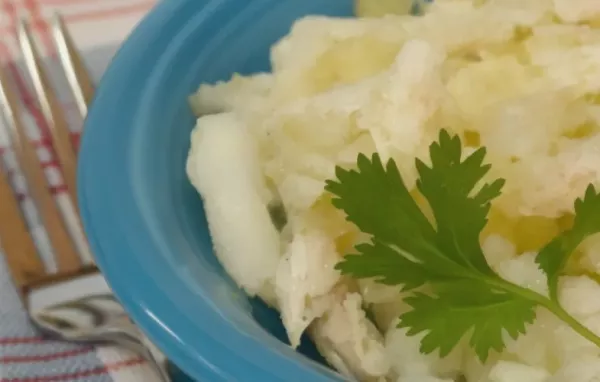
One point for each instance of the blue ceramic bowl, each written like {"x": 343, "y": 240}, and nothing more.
{"x": 145, "y": 222}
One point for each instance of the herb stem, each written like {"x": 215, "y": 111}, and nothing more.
{"x": 562, "y": 314}
{"x": 553, "y": 307}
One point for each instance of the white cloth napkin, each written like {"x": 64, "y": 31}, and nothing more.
{"x": 97, "y": 26}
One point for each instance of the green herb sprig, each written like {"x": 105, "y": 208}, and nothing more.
{"x": 467, "y": 297}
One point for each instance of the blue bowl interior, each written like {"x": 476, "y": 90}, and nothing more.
{"x": 146, "y": 223}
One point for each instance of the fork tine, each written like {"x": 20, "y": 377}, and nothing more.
{"x": 66, "y": 256}
{"x": 52, "y": 110}
{"x": 78, "y": 76}
{"x": 19, "y": 249}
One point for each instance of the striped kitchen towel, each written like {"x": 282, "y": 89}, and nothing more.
{"x": 98, "y": 26}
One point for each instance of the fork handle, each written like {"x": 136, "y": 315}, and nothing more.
{"x": 20, "y": 251}
{"x": 127, "y": 335}
{"x": 120, "y": 332}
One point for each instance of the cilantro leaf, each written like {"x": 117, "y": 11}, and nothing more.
{"x": 409, "y": 250}
{"x": 467, "y": 306}
{"x": 466, "y": 297}
{"x": 365, "y": 195}
{"x": 377, "y": 201}
{"x": 554, "y": 256}
{"x": 460, "y": 213}
{"x": 376, "y": 259}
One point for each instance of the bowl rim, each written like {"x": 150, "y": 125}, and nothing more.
{"x": 110, "y": 221}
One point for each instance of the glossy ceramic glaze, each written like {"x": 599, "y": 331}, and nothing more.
{"x": 145, "y": 222}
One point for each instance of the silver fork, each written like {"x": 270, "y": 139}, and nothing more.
{"x": 67, "y": 299}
